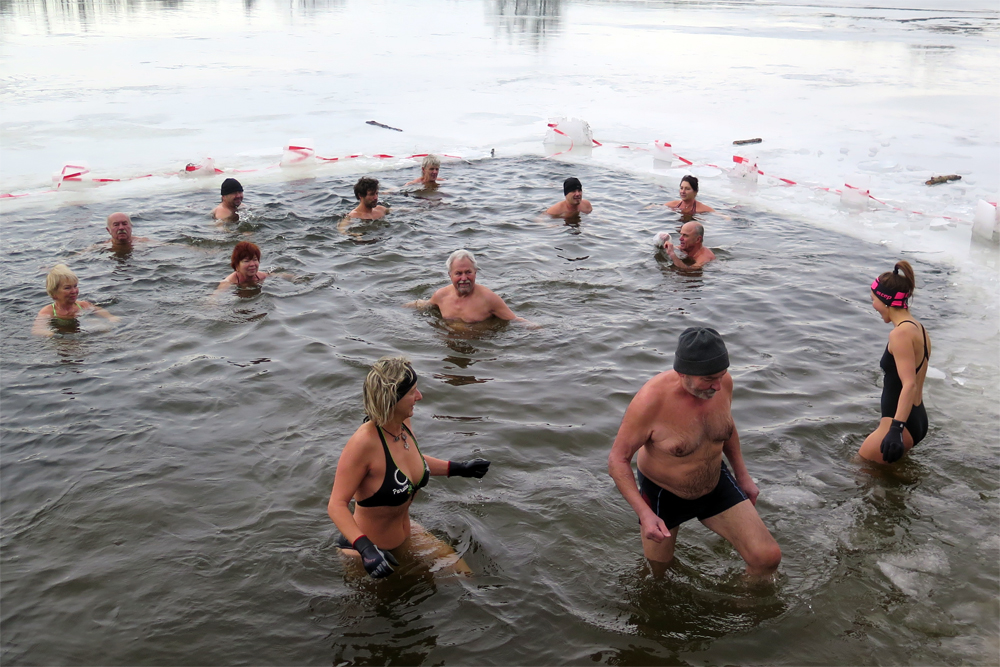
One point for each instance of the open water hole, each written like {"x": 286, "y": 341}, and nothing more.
{"x": 165, "y": 480}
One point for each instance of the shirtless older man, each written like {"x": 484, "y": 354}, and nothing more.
{"x": 232, "y": 197}
{"x": 692, "y": 238}
{"x": 120, "y": 229}
{"x": 573, "y": 203}
{"x": 680, "y": 424}
{"x": 464, "y": 300}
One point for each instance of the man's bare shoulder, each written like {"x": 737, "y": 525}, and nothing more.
{"x": 556, "y": 209}
{"x": 441, "y": 293}
{"x": 586, "y": 207}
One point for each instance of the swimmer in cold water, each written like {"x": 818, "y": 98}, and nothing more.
{"x": 464, "y": 300}
{"x": 120, "y": 228}
{"x": 245, "y": 261}
{"x": 573, "y": 203}
{"x": 680, "y": 424}
{"x": 232, "y": 198}
{"x": 904, "y": 362}
{"x": 368, "y": 208}
{"x": 429, "y": 169}
{"x": 382, "y": 473}
{"x": 688, "y": 204}
{"x": 64, "y": 288}
{"x": 696, "y": 255}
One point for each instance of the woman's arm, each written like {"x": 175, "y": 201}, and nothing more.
{"x": 901, "y": 347}
{"x": 352, "y": 469}
{"x": 97, "y": 310}
{"x": 40, "y": 327}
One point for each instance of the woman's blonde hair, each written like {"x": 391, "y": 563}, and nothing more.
{"x": 57, "y": 275}
{"x": 382, "y": 385}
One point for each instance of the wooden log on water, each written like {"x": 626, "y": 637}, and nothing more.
{"x": 741, "y": 142}
{"x": 943, "y": 179}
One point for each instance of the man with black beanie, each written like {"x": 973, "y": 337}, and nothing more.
{"x": 232, "y": 197}
{"x": 680, "y": 424}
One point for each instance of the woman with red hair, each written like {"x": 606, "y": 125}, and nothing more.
{"x": 246, "y": 264}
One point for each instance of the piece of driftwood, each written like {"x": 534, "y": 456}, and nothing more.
{"x": 943, "y": 179}
{"x": 741, "y": 142}
{"x": 382, "y": 125}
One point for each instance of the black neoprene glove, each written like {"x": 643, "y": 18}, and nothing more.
{"x": 377, "y": 563}
{"x": 474, "y": 468}
{"x": 892, "y": 444}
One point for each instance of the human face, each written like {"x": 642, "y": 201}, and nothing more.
{"x": 463, "y": 276}
{"x": 248, "y": 266}
{"x": 574, "y": 198}
{"x": 404, "y": 406}
{"x": 702, "y": 386}
{"x": 68, "y": 291}
{"x": 120, "y": 228}
{"x": 880, "y": 308}
{"x": 687, "y": 192}
{"x": 370, "y": 200}
{"x": 688, "y": 238}
{"x": 431, "y": 173}
{"x": 233, "y": 201}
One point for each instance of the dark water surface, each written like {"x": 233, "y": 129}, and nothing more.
{"x": 164, "y": 483}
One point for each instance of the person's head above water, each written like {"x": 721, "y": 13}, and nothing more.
{"x": 244, "y": 250}
{"x": 430, "y": 167}
{"x": 462, "y": 253}
{"x": 894, "y": 288}
{"x": 120, "y": 228}
{"x": 692, "y": 235}
{"x": 462, "y": 269}
{"x": 572, "y": 184}
{"x": 365, "y": 187}
{"x": 689, "y": 187}
{"x": 389, "y": 380}
{"x": 59, "y": 275}
{"x": 701, "y": 360}
{"x": 232, "y": 193}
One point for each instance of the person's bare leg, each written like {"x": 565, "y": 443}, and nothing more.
{"x": 660, "y": 554}
{"x": 441, "y": 556}
{"x": 743, "y": 528}
{"x": 871, "y": 448}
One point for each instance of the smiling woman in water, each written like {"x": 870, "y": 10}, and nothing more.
{"x": 64, "y": 287}
{"x": 382, "y": 473}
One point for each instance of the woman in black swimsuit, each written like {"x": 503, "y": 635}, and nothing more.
{"x": 905, "y": 361}
{"x": 382, "y": 469}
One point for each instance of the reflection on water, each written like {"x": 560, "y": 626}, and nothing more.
{"x": 529, "y": 20}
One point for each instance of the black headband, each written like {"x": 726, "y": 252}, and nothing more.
{"x": 407, "y": 383}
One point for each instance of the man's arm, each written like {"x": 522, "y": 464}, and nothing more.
{"x": 423, "y": 304}
{"x": 668, "y": 247}
{"x": 500, "y": 309}
{"x": 731, "y": 448}
{"x": 634, "y": 432}
{"x": 586, "y": 207}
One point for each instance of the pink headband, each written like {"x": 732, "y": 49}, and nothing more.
{"x": 898, "y": 301}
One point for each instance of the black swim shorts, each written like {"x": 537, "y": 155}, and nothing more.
{"x": 675, "y": 510}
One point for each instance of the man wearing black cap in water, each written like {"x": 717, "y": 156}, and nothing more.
{"x": 573, "y": 203}
{"x": 680, "y": 424}
{"x": 232, "y": 197}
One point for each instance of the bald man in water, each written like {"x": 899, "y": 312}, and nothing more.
{"x": 692, "y": 237}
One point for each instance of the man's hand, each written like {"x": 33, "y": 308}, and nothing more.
{"x": 748, "y": 487}
{"x": 653, "y": 528}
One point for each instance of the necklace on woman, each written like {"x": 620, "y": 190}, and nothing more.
{"x": 395, "y": 438}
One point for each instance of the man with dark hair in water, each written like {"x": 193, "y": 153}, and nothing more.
{"x": 574, "y": 204}
{"x": 681, "y": 424}
{"x": 368, "y": 208}
{"x": 692, "y": 238}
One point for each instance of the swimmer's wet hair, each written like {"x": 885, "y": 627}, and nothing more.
{"x": 692, "y": 181}
{"x": 572, "y": 184}
{"x": 244, "y": 250}
{"x": 365, "y": 185}
{"x": 462, "y": 253}
{"x": 381, "y": 387}
{"x": 58, "y": 274}
{"x": 430, "y": 161}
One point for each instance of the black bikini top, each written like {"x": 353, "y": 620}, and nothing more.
{"x": 396, "y": 487}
